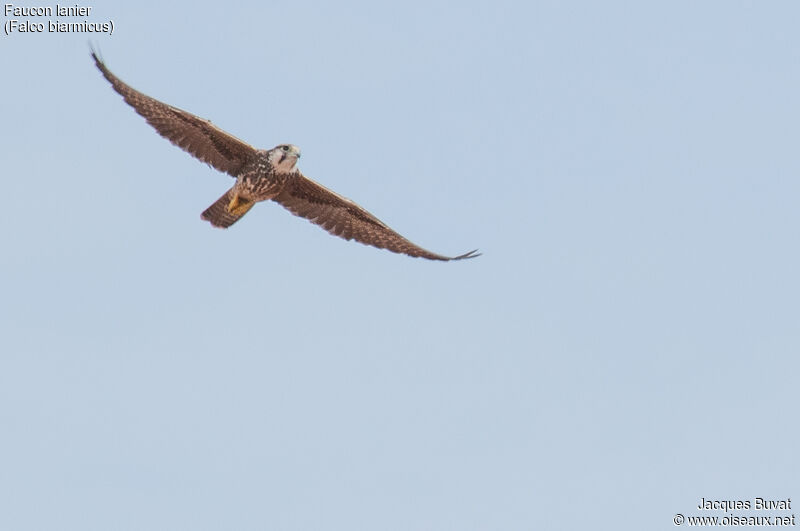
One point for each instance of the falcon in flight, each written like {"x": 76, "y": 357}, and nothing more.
{"x": 264, "y": 174}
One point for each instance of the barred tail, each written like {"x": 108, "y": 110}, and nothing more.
{"x": 219, "y": 213}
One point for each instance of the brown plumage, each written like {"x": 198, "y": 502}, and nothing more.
{"x": 264, "y": 174}
{"x": 220, "y": 216}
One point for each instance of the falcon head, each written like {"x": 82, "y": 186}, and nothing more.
{"x": 284, "y": 157}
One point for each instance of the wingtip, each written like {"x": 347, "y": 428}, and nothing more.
{"x": 94, "y": 52}
{"x": 472, "y": 254}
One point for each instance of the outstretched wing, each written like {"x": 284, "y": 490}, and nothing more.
{"x": 193, "y": 134}
{"x": 342, "y": 217}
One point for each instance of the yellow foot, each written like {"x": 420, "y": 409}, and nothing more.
{"x": 238, "y": 206}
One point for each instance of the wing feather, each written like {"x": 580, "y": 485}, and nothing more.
{"x": 344, "y": 218}
{"x": 195, "y": 135}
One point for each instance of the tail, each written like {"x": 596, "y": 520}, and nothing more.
{"x": 227, "y": 210}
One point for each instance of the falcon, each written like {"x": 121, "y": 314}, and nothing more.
{"x": 264, "y": 174}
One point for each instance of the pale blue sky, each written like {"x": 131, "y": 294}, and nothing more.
{"x": 627, "y": 344}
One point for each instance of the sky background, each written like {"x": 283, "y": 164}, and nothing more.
{"x": 626, "y": 345}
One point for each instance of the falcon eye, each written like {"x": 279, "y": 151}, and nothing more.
{"x": 285, "y": 148}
